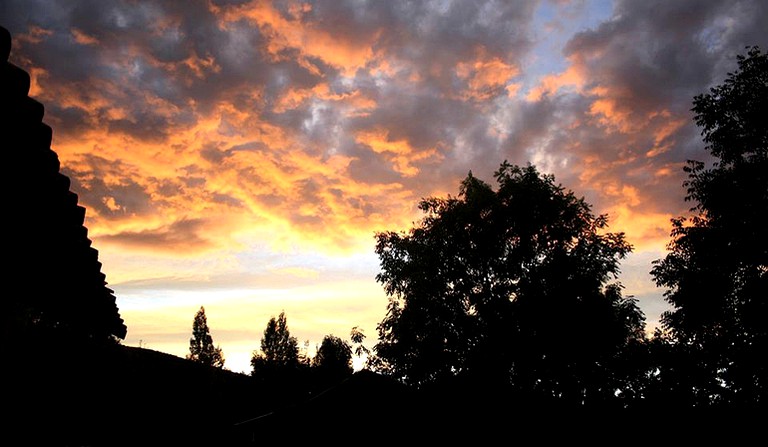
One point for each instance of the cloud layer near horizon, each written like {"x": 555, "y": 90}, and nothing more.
{"x": 198, "y": 127}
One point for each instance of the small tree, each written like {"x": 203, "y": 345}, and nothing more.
{"x": 279, "y": 350}
{"x": 201, "y": 348}
{"x": 334, "y": 357}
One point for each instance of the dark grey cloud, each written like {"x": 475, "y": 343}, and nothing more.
{"x": 182, "y": 235}
{"x": 659, "y": 52}
{"x": 650, "y": 59}
{"x": 168, "y": 187}
{"x": 193, "y": 181}
{"x": 141, "y": 47}
{"x": 173, "y": 51}
{"x": 656, "y": 56}
{"x": 435, "y": 36}
{"x": 123, "y": 200}
{"x": 228, "y": 200}
{"x": 213, "y": 154}
{"x": 143, "y": 125}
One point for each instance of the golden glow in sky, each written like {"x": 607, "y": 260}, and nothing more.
{"x": 241, "y": 155}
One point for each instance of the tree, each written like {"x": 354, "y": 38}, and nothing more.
{"x": 334, "y": 357}
{"x": 716, "y": 268}
{"x": 279, "y": 350}
{"x": 508, "y": 286}
{"x": 201, "y": 348}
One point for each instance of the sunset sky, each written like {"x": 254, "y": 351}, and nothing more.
{"x": 241, "y": 155}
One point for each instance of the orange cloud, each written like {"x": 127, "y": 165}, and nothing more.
{"x": 254, "y": 177}
{"x": 662, "y": 141}
{"x": 293, "y": 33}
{"x": 573, "y": 76}
{"x": 35, "y": 75}
{"x": 355, "y": 102}
{"x": 399, "y": 152}
{"x": 613, "y": 110}
{"x": 486, "y": 75}
{"x": 36, "y": 34}
{"x": 631, "y": 209}
{"x": 644, "y": 229}
{"x": 609, "y": 114}
{"x": 82, "y": 38}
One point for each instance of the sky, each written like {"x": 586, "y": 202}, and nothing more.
{"x": 241, "y": 155}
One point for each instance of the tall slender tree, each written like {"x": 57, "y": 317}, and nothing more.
{"x": 201, "y": 347}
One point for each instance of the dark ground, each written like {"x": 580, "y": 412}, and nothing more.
{"x": 137, "y": 397}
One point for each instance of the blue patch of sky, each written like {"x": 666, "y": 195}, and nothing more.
{"x": 554, "y": 24}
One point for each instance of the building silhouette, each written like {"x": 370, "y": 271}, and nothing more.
{"x": 53, "y": 276}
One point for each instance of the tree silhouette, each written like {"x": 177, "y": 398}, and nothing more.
{"x": 279, "y": 350}
{"x": 201, "y": 348}
{"x": 333, "y": 357}
{"x": 716, "y": 270}
{"x": 506, "y": 286}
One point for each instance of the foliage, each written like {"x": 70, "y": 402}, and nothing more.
{"x": 357, "y": 336}
{"x": 507, "y": 285}
{"x": 279, "y": 350}
{"x": 716, "y": 270}
{"x": 334, "y": 356}
{"x": 201, "y": 348}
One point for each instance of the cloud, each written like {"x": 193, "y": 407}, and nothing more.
{"x": 623, "y": 120}
{"x": 180, "y": 236}
{"x": 305, "y": 116}
{"x": 107, "y": 189}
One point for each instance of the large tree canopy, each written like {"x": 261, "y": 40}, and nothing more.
{"x": 716, "y": 271}
{"x": 509, "y": 285}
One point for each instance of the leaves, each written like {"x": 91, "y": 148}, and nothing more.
{"x": 279, "y": 350}
{"x": 334, "y": 356}
{"x": 494, "y": 281}
{"x": 715, "y": 271}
